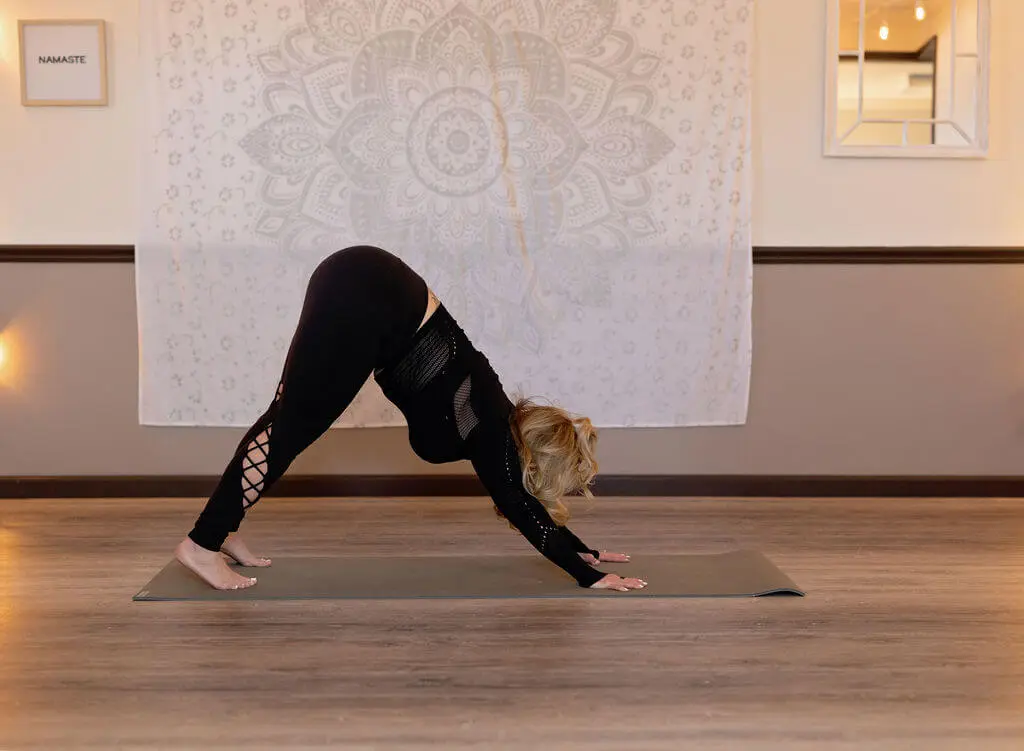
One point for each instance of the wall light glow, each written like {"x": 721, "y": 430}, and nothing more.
{"x": 9, "y": 375}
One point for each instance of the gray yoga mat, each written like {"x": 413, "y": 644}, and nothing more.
{"x": 741, "y": 573}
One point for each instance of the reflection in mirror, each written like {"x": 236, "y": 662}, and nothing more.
{"x": 907, "y": 74}
{"x": 897, "y": 100}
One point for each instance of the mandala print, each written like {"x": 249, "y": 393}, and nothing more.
{"x": 572, "y": 177}
{"x": 454, "y": 131}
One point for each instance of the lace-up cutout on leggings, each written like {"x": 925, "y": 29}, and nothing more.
{"x": 361, "y": 316}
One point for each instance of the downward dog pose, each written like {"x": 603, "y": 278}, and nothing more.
{"x": 365, "y": 311}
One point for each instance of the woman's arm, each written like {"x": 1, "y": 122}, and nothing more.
{"x": 496, "y": 462}
{"x": 578, "y": 545}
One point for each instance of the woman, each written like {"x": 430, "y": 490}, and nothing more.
{"x": 366, "y": 311}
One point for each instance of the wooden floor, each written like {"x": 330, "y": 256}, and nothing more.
{"x": 911, "y": 636}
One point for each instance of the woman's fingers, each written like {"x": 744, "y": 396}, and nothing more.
{"x": 619, "y": 584}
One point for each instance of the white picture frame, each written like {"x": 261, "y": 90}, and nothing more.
{"x": 976, "y": 147}
{"x": 63, "y": 62}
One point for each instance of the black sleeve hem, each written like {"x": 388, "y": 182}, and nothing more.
{"x": 577, "y": 544}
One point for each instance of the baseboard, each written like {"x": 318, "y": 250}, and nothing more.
{"x": 421, "y": 486}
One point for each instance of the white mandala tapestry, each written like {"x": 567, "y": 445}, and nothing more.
{"x": 572, "y": 177}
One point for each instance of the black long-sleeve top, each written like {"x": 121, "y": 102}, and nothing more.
{"x": 456, "y": 408}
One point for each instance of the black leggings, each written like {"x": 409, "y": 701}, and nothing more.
{"x": 361, "y": 308}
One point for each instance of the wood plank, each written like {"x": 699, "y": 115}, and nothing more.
{"x": 911, "y": 636}
{"x": 467, "y": 484}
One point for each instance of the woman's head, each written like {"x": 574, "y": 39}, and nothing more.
{"x": 556, "y": 450}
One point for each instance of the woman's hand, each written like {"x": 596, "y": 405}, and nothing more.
{"x": 605, "y": 558}
{"x": 613, "y": 581}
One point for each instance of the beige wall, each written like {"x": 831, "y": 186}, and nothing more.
{"x": 804, "y": 199}
{"x": 68, "y": 175}
{"x": 873, "y": 370}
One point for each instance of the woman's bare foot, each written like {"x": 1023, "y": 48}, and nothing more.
{"x": 235, "y": 547}
{"x": 210, "y": 567}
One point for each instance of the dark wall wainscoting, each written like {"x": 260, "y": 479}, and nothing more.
{"x": 763, "y": 255}
{"x": 464, "y": 485}
{"x": 67, "y": 254}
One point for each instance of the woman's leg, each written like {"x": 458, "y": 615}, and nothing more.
{"x": 304, "y": 408}
{"x": 334, "y": 350}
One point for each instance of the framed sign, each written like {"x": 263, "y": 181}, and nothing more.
{"x": 63, "y": 63}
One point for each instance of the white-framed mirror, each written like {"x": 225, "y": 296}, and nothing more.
{"x": 907, "y": 78}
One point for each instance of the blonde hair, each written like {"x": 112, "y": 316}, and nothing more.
{"x": 556, "y": 452}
